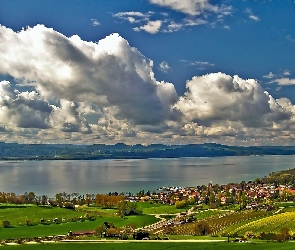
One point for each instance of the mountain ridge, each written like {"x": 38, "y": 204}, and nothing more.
{"x": 15, "y": 151}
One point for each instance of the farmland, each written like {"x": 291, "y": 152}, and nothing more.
{"x": 25, "y": 220}
{"x": 247, "y": 212}
{"x": 270, "y": 224}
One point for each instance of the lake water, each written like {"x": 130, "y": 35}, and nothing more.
{"x": 103, "y": 176}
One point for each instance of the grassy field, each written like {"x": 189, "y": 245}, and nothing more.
{"x": 63, "y": 228}
{"x": 18, "y": 215}
{"x": 88, "y": 218}
{"x": 159, "y": 245}
{"x": 156, "y": 208}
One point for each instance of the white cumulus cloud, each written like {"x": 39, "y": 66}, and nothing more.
{"x": 23, "y": 109}
{"x": 95, "y": 22}
{"x": 269, "y": 75}
{"x": 219, "y": 97}
{"x": 164, "y": 67}
{"x": 106, "y": 92}
{"x": 284, "y": 81}
{"x": 152, "y": 27}
{"x": 108, "y": 73}
{"x": 251, "y": 15}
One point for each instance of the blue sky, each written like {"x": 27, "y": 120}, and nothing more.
{"x": 174, "y": 71}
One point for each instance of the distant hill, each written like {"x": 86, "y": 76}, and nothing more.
{"x": 15, "y": 151}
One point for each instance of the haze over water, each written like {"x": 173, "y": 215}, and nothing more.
{"x": 103, "y": 176}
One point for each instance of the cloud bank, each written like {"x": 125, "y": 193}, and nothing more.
{"x": 70, "y": 90}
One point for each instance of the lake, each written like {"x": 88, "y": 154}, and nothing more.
{"x": 103, "y": 176}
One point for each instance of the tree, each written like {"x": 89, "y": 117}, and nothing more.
{"x": 242, "y": 199}
{"x": 108, "y": 201}
{"x": 284, "y": 234}
{"x": 257, "y": 181}
{"x": 126, "y": 208}
{"x": 58, "y": 198}
{"x": 180, "y": 204}
{"x": 218, "y": 200}
{"x": 211, "y": 198}
{"x": 88, "y": 199}
{"x": 202, "y": 228}
{"x": 30, "y": 197}
{"x": 44, "y": 199}
{"x": 249, "y": 235}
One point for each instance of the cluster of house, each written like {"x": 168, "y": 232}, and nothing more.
{"x": 251, "y": 194}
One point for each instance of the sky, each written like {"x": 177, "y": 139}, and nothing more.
{"x": 147, "y": 71}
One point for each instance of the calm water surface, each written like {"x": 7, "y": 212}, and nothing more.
{"x": 51, "y": 177}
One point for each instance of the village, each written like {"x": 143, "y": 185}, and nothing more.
{"x": 249, "y": 195}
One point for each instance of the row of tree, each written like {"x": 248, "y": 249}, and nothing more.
{"x": 26, "y": 198}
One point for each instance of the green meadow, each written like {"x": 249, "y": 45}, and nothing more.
{"x": 68, "y": 220}
{"x": 159, "y": 245}
{"x": 156, "y": 208}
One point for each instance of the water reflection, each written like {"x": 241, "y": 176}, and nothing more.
{"x": 51, "y": 177}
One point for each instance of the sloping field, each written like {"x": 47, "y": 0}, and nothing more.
{"x": 270, "y": 224}
{"x": 218, "y": 223}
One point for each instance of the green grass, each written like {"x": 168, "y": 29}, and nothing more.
{"x": 159, "y": 245}
{"x": 156, "y": 208}
{"x": 63, "y": 228}
{"x": 283, "y": 204}
{"x": 18, "y": 215}
{"x": 209, "y": 213}
{"x": 235, "y": 207}
{"x": 96, "y": 209}
{"x": 288, "y": 209}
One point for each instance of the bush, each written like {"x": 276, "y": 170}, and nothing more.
{"x": 29, "y": 223}
{"x": 56, "y": 220}
{"x": 69, "y": 205}
{"x": 213, "y": 205}
{"x": 74, "y": 219}
{"x": 249, "y": 235}
{"x": 180, "y": 204}
{"x": 124, "y": 237}
{"x": 268, "y": 236}
{"x": 99, "y": 230}
{"x": 284, "y": 234}
{"x": 202, "y": 228}
{"x": 6, "y": 223}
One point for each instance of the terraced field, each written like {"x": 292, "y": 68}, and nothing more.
{"x": 220, "y": 222}
{"x": 271, "y": 224}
